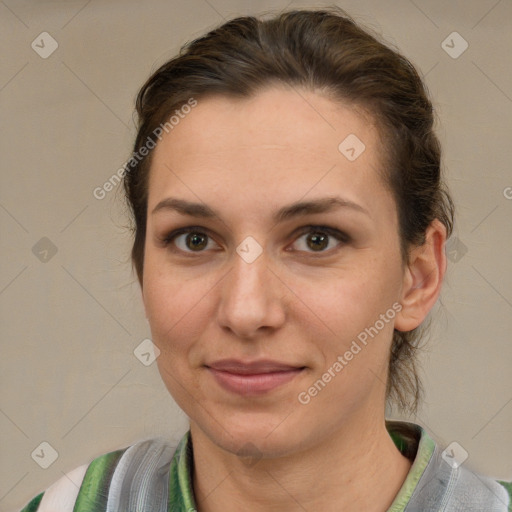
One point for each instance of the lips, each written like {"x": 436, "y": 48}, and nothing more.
{"x": 251, "y": 368}
{"x": 253, "y": 377}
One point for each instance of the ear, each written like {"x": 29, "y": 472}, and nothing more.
{"x": 423, "y": 278}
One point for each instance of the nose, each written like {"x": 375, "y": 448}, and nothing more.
{"x": 250, "y": 301}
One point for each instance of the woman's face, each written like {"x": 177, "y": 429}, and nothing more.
{"x": 254, "y": 306}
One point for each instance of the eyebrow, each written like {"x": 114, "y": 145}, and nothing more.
{"x": 322, "y": 205}
{"x": 287, "y": 212}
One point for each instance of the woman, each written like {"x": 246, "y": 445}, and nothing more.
{"x": 290, "y": 222}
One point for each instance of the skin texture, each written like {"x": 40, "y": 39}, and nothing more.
{"x": 245, "y": 159}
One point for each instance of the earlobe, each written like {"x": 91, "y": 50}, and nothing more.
{"x": 423, "y": 278}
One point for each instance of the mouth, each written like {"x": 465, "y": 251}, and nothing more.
{"x": 253, "y": 378}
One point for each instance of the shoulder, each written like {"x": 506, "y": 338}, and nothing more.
{"x": 440, "y": 480}
{"x": 508, "y": 488}
{"x": 138, "y": 469}
{"x": 470, "y": 491}
{"x": 458, "y": 488}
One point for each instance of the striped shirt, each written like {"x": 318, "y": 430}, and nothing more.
{"x": 152, "y": 476}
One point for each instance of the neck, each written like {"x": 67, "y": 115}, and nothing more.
{"x": 355, "y": 468}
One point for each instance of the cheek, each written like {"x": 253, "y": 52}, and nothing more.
{"x": 178, "y": 309}
{"x": 352, "y": 329}
{"x": 350, "y": 308}
{"x": 352, "y": 298}
{"x": 175, "y": 313}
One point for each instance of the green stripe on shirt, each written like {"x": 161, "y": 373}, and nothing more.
{"x": 93, "y": 495}
{"x": 34, "y": 504}
{"x": 508, "y": 487}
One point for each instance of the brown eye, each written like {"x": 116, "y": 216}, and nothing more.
{"x": 317, "y": 241}
{"x": 320, "y": 239}
{"x": 196, "y": 241}
{"x": 189, "y": 240}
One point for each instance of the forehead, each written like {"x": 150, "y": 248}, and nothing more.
{"x": 282, "y": 138}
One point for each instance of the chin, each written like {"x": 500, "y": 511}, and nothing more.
{"x": 254, "y": 436}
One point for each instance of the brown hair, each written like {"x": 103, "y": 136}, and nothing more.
{"x": 317, "y": 50}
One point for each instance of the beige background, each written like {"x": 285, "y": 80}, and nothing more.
{"x": 70, "y": 324}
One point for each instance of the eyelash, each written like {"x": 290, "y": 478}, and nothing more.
{"x": 340, "y": 236}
